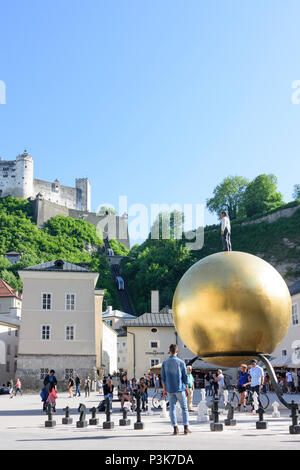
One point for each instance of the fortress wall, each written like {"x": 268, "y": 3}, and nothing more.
{"x": 8, "y": 184}
{"x": 44, "y": 210}
{"x": 56, "y": 193}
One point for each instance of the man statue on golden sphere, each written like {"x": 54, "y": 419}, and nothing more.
{"x": 231, "y": 303}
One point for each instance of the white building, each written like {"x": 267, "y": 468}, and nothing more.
{"x": 109, "y": 350}
{"x": 61, "y": 325}
{"x": 116, "y": 319}
{"x": 288, "y": 352}
{"x": 10, "y": 314}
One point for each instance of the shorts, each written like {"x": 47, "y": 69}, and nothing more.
{"x": 241, "y": 389}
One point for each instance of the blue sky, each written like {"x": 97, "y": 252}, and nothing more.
{"x": 158, "y": 101}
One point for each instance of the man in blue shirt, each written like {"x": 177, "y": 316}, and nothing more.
{"x": 175, "y": 386}
{"x": 257, "y": 379}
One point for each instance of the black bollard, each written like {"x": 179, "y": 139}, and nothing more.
{"x": 108, "y": 424}
{"x": 138, "y": 424}
{"x": 294, "y": 428}
{"x": 67, "y": 419}
{"x": 93, "y": 421}
{"x": 124, "y": 421}
{"x": 261, "y": 424}
{"x": 49, "y": 423}
{"x": 215, "y": 426}
{"x": 82, "y": 423}
{"x": 230, "y": 421}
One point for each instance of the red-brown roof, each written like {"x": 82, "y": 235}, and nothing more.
{"x": 7, "y": 291}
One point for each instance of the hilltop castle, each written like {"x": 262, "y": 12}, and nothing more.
{"x": 17, "y": 179}
{"x": 51, "y": 199}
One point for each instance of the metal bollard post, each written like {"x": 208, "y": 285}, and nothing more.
{"x": 261, "y": 424}
{"x": 138, "y": 424}
{"x": 215, "y": 426}
{"x": 67, "y": 419}
{"x": 49, "y": 423}
{"x": 82, "y": 423}
{"x": 93, "y": 421}
{"x": 108, "y": 424}
{"x": 230, "y": 421}
{"x": 294, "y": 428}
{"x": 124, "y": 421}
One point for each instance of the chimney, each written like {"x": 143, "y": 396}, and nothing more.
{"x": 154, "y": 301}
{"x": 109, "y": 309}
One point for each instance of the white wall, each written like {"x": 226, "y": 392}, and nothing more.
{"x": 109, "y": 349}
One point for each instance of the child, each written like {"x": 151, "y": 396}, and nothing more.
{"x": 52, "y": 397}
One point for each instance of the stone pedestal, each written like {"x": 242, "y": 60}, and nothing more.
{"x": 108, "y": 425}
{"x": 81, "y": 424}
{"x": 67, "y": 420}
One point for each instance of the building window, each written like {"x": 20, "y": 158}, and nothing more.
{"x": 43, "y": 373}
{"x": 16, "y": 332}
{"x": 68, "y": 373}
{"x": 295, "y": 316}
{"x": 16, "y": 351}
{"x": 7, "y": 366}
{"x": 15, "y": 366}
{"x": 70, "y": 301}
{"x": 45, "y": 332}
{"x": 284, "y": 352}
{"x": 9, "y": 332}
{"x": 46, "y": 301}
{"x": 154, "y": 362}
{"x": 154, "y": 344}
{"x": 123, "y": 344}
{"x": 8, "y": 350}
{"x": 153, "y": 330}
{"x": 69, "y": 333}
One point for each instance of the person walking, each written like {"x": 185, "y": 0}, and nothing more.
{"x": 221, "y": 383}
{"x": 289, "y": 381}
{"x": 87, "y": 386}
{"x": 77, "y": 385}
{"x": 157, "y": 384}
{"x": 70, "y": 386}
{"x": 52, "y": 396}
{"x": 226, "y": 231}
{"x": 191, "y": 388}
{"x": 257, "y": 380}
{"x": 243, "y": 378}
{"x": 11, "y": 388}
{"x": 100, "y": 385}
{"x": 175, "y": 383}
{"x": 18, "y": 387}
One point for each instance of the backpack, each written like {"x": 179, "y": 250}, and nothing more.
{"x": 101, "y": 406}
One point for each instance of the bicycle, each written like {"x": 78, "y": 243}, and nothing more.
{"x": 235, "y": 398}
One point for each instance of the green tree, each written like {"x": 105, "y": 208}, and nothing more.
{"x": 261, "y": 195}
{"x": 228, "y": 196}
{"x": 296, "y": 192}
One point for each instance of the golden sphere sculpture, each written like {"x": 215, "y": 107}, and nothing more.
{"x": 230, "y": 303}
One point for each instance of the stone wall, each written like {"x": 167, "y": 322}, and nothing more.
{"x": 29, "y": 369}
{"x": 45, "y": 210}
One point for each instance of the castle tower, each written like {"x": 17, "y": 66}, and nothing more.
{"x": 24, "y": 176}
{"x": 84, "y": 194}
